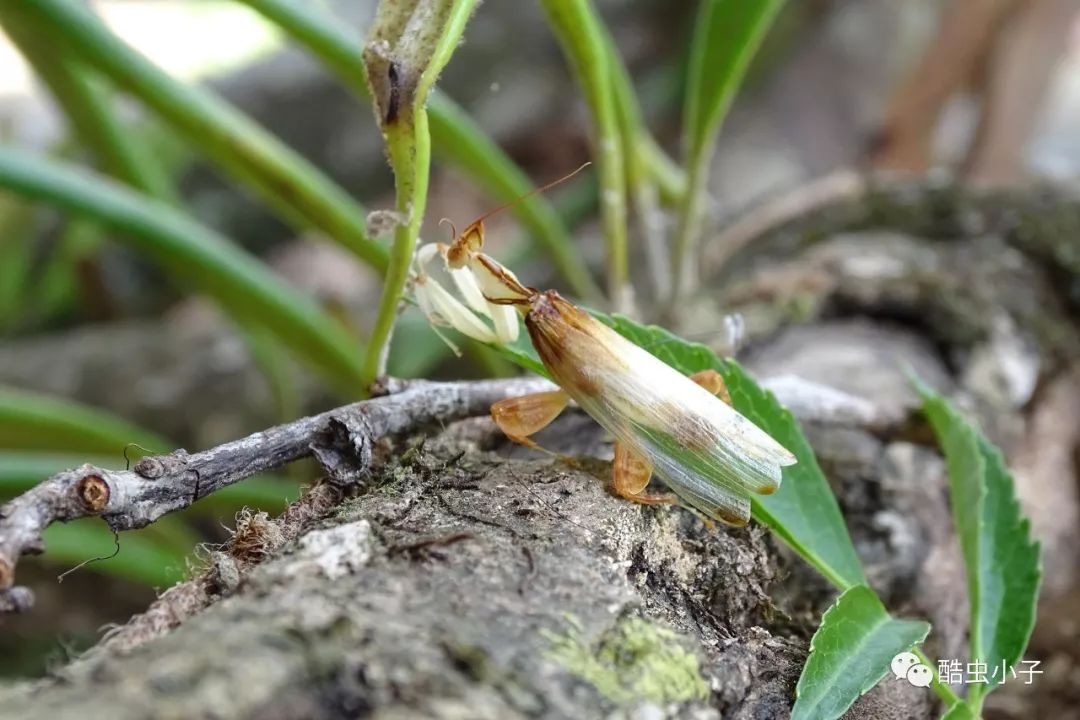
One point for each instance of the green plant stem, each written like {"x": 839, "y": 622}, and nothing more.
{"x": 943, "y": 691}
{"x": 584, "y": 41}
{"x": 691, "y": 214}
{"x": 201, "y": 256}
{"x": 294, "y": 187}
{"x": 424, "y": 36}
{"x": 454, "y": 135}
{"x": 640, "y": 183}
{"x": 666, "y": 173}
{"x": 409, "y": 148}
{"x": 727, "y": 34}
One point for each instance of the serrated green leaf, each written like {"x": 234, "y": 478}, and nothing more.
{"x": 850, "y": 653}
{"x": 803, "y": 512}
{"x": 1002, "y": 561}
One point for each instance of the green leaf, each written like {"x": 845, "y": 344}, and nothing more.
{"x": 850, "y": 652}
{"x": 295, "y": 188}
{"x": 243, "y": 285}
{"x": 803, "y": 512}
{"x": 33, "y": 421}
{"x": 1002, "y": 560}
{"x": 726, "y": 36}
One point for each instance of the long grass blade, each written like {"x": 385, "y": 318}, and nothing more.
{"x": 291, "y": 185}
{"x": 198, "y": 254}
{"x": 30, "y": 420}
{"x": 89, "y": 109}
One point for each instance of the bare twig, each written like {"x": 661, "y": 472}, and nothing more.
{"x": 341, "y": 439}
{"x": 802, "y": 200}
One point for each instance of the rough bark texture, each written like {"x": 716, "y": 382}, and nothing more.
{"x": 462, "y": 583}
{"x": 467, "y": 586}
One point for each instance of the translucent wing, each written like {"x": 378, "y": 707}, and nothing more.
{"x": 707, "y": 453}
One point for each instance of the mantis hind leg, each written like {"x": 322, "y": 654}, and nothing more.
{"x": 714, "y": 383}
{"x": 630, "y": 474}
{"x": 527, "y": 415}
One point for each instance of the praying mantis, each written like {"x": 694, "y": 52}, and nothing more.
{"x": 681, "y": 428}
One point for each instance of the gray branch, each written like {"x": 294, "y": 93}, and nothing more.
{"x": 162, "y": 484}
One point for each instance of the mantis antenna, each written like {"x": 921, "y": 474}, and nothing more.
{"x": 534, "y": 191}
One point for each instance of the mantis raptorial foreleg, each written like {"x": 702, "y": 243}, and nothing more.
{"x": 527, "y": 415}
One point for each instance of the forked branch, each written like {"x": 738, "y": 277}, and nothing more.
{"x": 341, "y": 439}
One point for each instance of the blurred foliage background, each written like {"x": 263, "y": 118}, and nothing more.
{"x": 199, "y": 261}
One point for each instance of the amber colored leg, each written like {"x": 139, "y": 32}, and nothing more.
{"x": 523, "y": 416}
{"x": 714, "y": 383}
{"x": 630, "y": 475}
